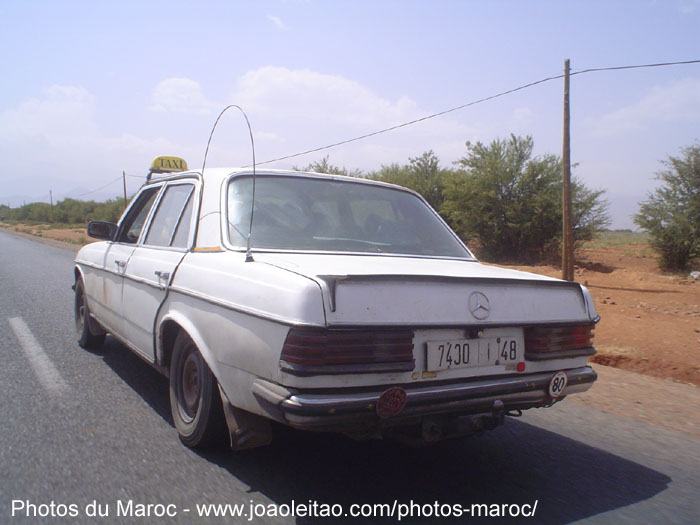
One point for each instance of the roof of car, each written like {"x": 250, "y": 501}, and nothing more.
{"x": 218, "y": 175}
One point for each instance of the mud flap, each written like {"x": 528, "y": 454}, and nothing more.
{"x": 95, "y": 327}
{"x": 246, "y": 430}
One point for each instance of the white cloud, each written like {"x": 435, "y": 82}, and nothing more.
{"x": 675, "y": 102}
{"x": 307, "y": 94}
{"x": 309, "y": 109}
{"x": 292, "y": 110}
{"x": 181, "y": 95}
{"x": 53, "y": 142}
{"x": 277, "y": 21}
{"x": 62, "y": 110}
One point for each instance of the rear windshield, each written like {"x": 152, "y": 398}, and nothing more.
{"x": 304, "y": 213}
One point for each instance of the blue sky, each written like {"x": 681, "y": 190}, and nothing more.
{"x": 93, "y": 88}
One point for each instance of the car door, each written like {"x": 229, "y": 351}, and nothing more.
{"x": 106, "y": 290}
{"x": 153, "y": 263}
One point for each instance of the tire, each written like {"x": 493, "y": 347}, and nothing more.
{"x": 195, "y": 402}
{"x": 86, "y": 339}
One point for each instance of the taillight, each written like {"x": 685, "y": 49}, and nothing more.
{"x": 344, "y": 351}
{"x": 558, "y": 341}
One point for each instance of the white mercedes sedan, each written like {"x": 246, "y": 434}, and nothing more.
{"x": 326, "y": 303}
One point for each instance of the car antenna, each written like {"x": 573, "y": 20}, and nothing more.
{"x": 249, "y": 250}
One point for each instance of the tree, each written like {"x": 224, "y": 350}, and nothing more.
{"x": 68, "y": 211}
{"x": 324, "y": 166}
{"x": 671, "y": 214}
{"x": 422, "y": 175}
{"x": 510, "y": 203}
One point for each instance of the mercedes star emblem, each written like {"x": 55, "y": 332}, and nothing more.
{"x": 479, "y": 306}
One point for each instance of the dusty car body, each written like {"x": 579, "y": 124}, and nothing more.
{"x": 341, "y": 305}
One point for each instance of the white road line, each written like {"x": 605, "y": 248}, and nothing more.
{"x": 46, "y": 372}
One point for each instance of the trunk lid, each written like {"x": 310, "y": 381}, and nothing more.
{"x": 393, "y": 290}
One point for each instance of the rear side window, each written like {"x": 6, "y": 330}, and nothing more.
{"x": 131, "y": 226}
{"x": 182, "y": 231}
{"x": 171, "y": 222}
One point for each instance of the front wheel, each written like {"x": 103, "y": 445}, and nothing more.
{"x": 86, "y": 338}
{"x": 195, "y": 402}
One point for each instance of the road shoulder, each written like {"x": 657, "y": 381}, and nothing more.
{"x": 51, "y": 242}
{"x": 661, "y": 402}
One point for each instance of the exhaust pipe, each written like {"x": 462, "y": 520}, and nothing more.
{"x": 438, "y": 428}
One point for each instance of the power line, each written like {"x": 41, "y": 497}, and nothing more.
{"x": 473, "y": 103}
{"x": 108, "y": 184}
{"x": 427, "y": 117}
{"x": 639, "y": 66}
{"x": 100, "y": 188}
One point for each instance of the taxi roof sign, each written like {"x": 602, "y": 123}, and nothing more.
{"x": 165, "y": 164}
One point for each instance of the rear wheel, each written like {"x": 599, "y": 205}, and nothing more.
{"x": 86, "y": 338}
{"x": 195, "y": 402}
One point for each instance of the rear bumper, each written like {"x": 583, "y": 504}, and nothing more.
{"x": 344, "y": 408}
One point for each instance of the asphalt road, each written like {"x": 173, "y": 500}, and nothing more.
{"x": 80, "y": 428}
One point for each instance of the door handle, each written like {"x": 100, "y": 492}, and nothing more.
{"x": 162, "y": 275}
{"x": 121, "y": 267}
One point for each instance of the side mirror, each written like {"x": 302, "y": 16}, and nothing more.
{"x": 101, "y": 230}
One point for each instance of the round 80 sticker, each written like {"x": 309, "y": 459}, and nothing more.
{"x": 558, "y": 384}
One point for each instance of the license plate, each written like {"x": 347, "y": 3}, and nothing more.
{"x": 465, "y": 353}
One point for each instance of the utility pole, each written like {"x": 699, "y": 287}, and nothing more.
{"x": 51, "y": 199}
{"x": 567, "y": 237}
{"x": 124, "y": 180}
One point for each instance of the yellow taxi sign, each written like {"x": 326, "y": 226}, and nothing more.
{"x": 165, "y": 164}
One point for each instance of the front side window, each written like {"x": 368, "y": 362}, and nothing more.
{"x": 131, "y": 226}
{"x": 305, "y": 213}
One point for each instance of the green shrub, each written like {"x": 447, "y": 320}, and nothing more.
{"x": 671, "y": 214}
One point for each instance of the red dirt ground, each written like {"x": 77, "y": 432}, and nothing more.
{"x": 650, "y": 321}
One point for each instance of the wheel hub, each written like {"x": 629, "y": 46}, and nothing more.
{"x": 191, "y": 385}
{"x": 80, "y": 313}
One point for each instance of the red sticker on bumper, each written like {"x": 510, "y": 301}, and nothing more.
{"x": 391, "y": 402}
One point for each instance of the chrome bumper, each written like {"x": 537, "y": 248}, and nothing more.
{"x": 307, "y": 409}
